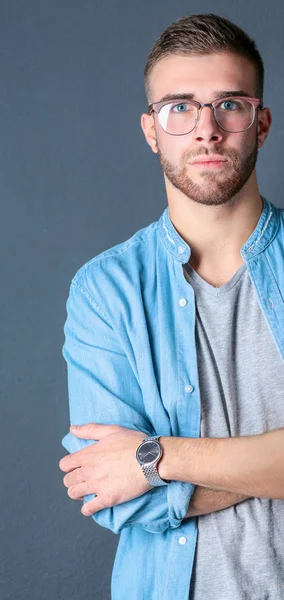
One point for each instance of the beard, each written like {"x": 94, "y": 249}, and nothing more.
{"x": 215, "y": 191}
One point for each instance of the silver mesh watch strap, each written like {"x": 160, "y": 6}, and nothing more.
{"x": 152, "y": 475}
{"x": 151, "y": 472}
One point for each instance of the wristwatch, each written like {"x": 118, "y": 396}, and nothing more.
{"x": 148, "y": 454}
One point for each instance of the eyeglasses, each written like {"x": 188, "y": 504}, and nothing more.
{"x": 179, "y": 117}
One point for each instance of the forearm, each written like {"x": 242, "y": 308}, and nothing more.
{"x": 206, "y": 500}
{"x": 250, "y": 465}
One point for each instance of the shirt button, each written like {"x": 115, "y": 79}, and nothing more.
{"x": 182, "y": 302}
{"x": 182, "y": 540}
{"x": 189, "y": 388}
{"x": 181, "y": 249}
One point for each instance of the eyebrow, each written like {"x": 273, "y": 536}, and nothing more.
{"x": 218, "y": 94}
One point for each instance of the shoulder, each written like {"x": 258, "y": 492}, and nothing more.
{"x": 122, "y": 252}
{"x": 117, "y": 270}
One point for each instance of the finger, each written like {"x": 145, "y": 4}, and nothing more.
{"x": 93, "y": 431}
{"x": 73, "y": 460}
{"x": 91, "y": 507}
{"x": 73, "y": 478}
{"x": 78, "y": 491}
{"x": 81, "y": 498}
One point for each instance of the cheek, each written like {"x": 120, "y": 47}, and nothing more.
{"x": 174, "y": 148}
{"x": 249, "y": 138}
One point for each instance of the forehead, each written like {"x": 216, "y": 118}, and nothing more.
{"x": 202, "y": 75}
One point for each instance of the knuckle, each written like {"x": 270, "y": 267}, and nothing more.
{"x": 70, "y": 491}
{"x": 84, "y": 472}
{"x": 107, "y": 500}
{"x": 90, "y": 429}
{"x": 89, "y": 473}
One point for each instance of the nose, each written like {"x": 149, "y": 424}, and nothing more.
{"x": 207, "y": 128}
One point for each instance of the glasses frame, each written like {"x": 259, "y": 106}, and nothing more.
{"x": 157, "y": 106}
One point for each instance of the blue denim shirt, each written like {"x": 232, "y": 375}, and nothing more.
{"x": 131, "y": 360}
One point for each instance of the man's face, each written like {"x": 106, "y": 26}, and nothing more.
{"x": 205, "y": 77}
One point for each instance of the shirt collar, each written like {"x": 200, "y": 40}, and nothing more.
{"x": 259, "y": 239}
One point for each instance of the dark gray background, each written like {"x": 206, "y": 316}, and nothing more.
{"x": 77, "y": 177}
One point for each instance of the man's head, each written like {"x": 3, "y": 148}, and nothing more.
{"x": 204, "y": 55}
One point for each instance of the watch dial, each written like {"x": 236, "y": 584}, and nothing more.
{"x": 149, "y": 452}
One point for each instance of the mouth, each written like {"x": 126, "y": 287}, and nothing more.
{"x": 210, "y": 164}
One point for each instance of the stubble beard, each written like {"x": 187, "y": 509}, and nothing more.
{"x": 216, "y": 190}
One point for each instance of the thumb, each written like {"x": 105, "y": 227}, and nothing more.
{"x": 86, "y": 431}
{"x": 91, "y": 431}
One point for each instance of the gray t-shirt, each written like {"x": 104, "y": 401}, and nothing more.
{"x": 240, "y": 550}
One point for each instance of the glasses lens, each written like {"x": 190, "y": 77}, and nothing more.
{"x": 178, "y": 118}
{"x": 234, "y": 114}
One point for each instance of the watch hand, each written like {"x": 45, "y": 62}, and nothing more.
{"x": 148, "y": 454}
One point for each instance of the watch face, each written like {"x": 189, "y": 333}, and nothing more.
{"x": 149, "y": 452}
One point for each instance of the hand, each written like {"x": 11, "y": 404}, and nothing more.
{"x": 107, "y": 468}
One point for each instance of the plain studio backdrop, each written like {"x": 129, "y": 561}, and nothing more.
{"x": 77, "y": 177}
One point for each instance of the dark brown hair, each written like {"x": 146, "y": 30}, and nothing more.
{"x": 204, "y": 34}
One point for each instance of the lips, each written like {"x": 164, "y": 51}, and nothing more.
{"x": 210, "y": 165}
{"x": 212, "y": 159}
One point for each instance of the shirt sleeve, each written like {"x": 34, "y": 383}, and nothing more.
{"x": 103, "y": 388}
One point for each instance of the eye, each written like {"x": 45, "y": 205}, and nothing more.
{"x": 229, "y": 105}
{"x": 181, "y": 107}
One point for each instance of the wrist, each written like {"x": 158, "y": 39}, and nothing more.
{"x": 168, "y": 465}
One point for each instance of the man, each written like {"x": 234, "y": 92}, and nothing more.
{"x": 177, "y": 334}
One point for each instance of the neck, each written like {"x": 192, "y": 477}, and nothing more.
{"x": 211, "y": 230}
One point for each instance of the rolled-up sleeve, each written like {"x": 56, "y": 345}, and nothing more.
{"x": 103, "y": 388}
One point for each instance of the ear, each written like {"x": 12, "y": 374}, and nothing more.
{"x": 147, "y": 124}
{"x": 264, "y": 123}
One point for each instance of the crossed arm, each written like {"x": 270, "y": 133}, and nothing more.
{"x": 207, "y": 500}
{"x": 229, "y": 470}
{"x": 103, "y": 386}
{"x": 247, "y": 466}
